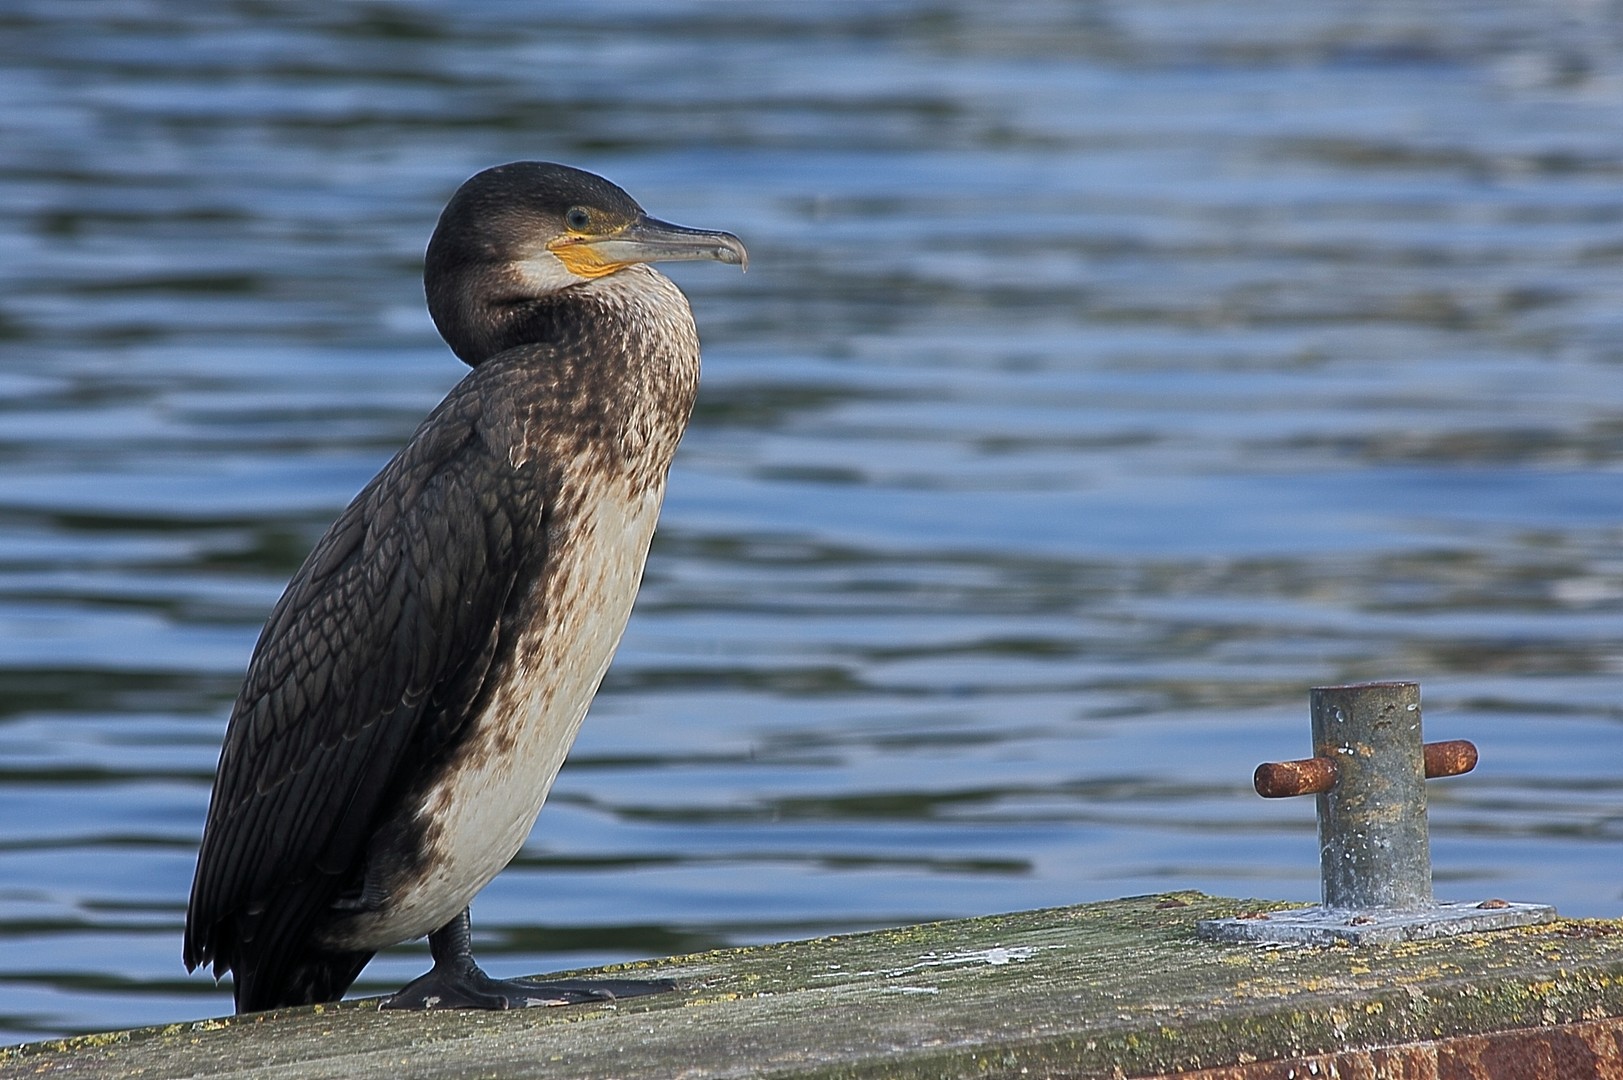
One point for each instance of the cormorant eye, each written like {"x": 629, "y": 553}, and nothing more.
{"x": 577, "y": 218}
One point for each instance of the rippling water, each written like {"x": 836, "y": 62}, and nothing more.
{"x": 1106, "y": 375}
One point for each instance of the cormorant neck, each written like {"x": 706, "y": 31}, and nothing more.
{"x": 481, "y": 318}
{"x": 483, "y": 315}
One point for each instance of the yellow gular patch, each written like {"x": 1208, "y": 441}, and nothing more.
{"x": 582, "y": 259}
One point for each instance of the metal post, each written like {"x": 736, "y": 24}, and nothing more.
{"x": 1374, "y": 851}
{"x": 1369, "y": 771}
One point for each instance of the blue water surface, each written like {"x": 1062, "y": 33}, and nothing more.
{"x": 1105, "y": 376}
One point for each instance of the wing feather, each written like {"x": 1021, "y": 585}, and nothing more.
{"x": 387, "y": 629}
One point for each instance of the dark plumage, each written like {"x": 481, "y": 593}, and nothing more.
{"x": 417, "y": 686}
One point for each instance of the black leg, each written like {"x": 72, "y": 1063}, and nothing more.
{"x": 456, "y": 982}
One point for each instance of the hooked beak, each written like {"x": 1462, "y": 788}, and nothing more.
{"x": 647, "y": 240}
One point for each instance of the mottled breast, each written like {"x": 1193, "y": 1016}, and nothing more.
{"x": 604, "y": 437}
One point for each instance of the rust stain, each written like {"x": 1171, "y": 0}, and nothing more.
{"x": 1452, "y": 757}
{"x": 1317, "y": 775}
{"x": 1286, "y": 779}
{"x": 1565, "y": 1052}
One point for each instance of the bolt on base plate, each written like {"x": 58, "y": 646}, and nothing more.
{"x": 1319, "y": 925}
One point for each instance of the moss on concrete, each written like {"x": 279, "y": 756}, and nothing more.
{"x": 1112, "y": 989}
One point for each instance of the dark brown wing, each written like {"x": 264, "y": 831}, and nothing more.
{"x": 386, "y": 630}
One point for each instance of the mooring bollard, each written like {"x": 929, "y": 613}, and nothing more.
{"x": 1369, "y": 770}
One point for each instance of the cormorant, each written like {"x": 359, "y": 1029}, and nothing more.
{"x": 414, "y": 692}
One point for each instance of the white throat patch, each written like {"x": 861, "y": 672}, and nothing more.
{"x": 543, "y": 273}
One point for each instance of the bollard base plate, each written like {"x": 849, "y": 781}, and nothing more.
{"x": 1319, "y": 925}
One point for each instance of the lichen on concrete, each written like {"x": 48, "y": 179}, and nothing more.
{"x": 1113, "y": 989}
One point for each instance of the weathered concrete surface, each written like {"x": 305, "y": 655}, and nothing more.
{"x": 1589, "y": 1051}
{"x": 1108, "y": 990}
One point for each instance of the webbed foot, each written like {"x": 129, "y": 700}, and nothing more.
{"x": 457, "y": 982}
{"x": 476, "y": 990}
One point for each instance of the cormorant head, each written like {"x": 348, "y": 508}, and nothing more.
{"x": 520, "y": 233}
